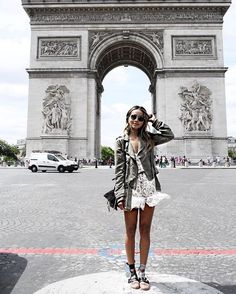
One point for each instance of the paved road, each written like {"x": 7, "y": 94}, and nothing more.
{"x": 56, "y": 226}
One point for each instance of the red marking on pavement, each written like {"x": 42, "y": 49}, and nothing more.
{"x": 194, "y": 251}
{"x": 110, "y": 252}
{"x": 72, "y": 251}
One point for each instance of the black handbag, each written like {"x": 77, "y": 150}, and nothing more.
{"x": 111, "y": 199}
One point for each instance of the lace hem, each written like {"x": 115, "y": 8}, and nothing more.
{"x": 151, "y": 201}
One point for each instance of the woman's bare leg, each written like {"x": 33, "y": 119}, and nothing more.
{"x": 130, "y": 224}
{"x": 145, "y": 221}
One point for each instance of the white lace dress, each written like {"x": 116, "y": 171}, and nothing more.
{"x": 145, "y": 192}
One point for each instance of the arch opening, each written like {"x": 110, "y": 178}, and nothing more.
{"x": 126, "y": 53}
{"x": 123, "y": 53}
{"x": 123, "y": 88}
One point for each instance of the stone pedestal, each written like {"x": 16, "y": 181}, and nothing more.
{"x": 103, "y": 283}
{"x": 48, "y": 143}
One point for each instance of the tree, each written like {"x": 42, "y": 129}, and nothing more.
{"x": 9, "y": 152}
{"x": 107, "y": 153}
{"x": 232, "y": 154}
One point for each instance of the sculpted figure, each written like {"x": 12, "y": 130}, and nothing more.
{"x": 196, "y": 108}
{"x": 96, "y": 38}
{"x": 56, "y": 110}
{"x": 47, "y": 118}
{"x": 56, "y": 114}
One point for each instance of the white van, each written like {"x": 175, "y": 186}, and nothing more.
{"x": 43, "y": 161}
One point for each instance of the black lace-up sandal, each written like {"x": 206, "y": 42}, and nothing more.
{"x": 143, "y": 281}
{"x": 133, "y": 279}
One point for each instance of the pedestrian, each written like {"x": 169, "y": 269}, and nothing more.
{"x": 161, "y": 162}
{"x": 157, "y": 159}
{"x": 172, "y": 160}
{"x": 137, "y": 188}
{"x": 110, "y": 162}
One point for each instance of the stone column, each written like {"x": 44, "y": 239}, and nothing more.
{"x": 92, "y": 117}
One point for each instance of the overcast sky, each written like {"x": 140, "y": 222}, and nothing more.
{"x": 123, "y": 86}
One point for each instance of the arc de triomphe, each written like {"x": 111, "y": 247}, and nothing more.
{"x": 75, "y": 43}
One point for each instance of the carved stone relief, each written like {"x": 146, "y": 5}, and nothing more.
{"x": 56, "y": 111}
{"x": 196, "y": 113}
{"x": 191, "y": 46}
{"x": 121, "y": 15}
{"x": 97, "y": 37}
{"x": 59, "y": 47}
{"x": 157, "y": 38}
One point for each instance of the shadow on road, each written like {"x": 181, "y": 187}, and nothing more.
{"x": 12, "y": 267}
{"x": 226, "y": 289}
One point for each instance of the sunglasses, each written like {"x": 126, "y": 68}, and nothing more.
{"x": 139, "y": 117}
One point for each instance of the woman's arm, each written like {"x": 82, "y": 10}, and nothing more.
{"x": 164, "y": 132}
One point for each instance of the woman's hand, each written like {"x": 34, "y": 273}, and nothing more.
{"x": 121, "y": 205}
{"x": 152, "y": 118}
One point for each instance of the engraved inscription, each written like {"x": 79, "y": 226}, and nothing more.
{"x": 135, "y": 15}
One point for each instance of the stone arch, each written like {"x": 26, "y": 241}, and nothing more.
{"x": 122, "y": 49}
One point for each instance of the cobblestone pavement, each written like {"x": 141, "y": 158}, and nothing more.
{"x": 56, "y": 226}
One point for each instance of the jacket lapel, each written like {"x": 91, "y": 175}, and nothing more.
{"x": 131, "y": 151}
{"x": 128, "y": 146}
{"x": 141, "y": 146}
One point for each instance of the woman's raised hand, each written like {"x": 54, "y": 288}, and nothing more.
{"x": 151, "y": 117}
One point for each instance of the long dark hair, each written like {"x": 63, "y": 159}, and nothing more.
{"x": 142, "y": 132}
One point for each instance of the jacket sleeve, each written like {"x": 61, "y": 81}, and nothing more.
{"x": 119, "y": 171}
{"x": 164, "y": 134}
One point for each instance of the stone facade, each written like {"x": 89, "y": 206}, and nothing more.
{"x": 178, "y": 44}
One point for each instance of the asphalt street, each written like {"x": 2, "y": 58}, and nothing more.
{"x": 56, "y": 226}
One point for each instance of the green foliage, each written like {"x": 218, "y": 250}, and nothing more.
{"x": 9, "y": 152}
{"x": 107, "y": 153}
{"x": 232, "y": 154}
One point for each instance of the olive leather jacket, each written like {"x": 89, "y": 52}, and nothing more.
{"x": 126, "y": 169}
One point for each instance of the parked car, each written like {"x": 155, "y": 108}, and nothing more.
{"x": 43, "y": 161}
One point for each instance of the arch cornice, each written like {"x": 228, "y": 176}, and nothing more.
{"x": 127, "y": 38}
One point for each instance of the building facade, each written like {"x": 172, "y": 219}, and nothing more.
{"x": 75, "y": 43}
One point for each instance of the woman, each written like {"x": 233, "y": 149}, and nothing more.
{"x": 137, "y": 186}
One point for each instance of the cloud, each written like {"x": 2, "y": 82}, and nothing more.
{"x": 231, "y": 100}
{"x": 118, "y": 76}
{"x": 14, "y": 59}
{"x": 229, "y": 21}
{"x": 13, "y": 123}
{"x": 124, "y": 88}
{"x": 13, "y": 90}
